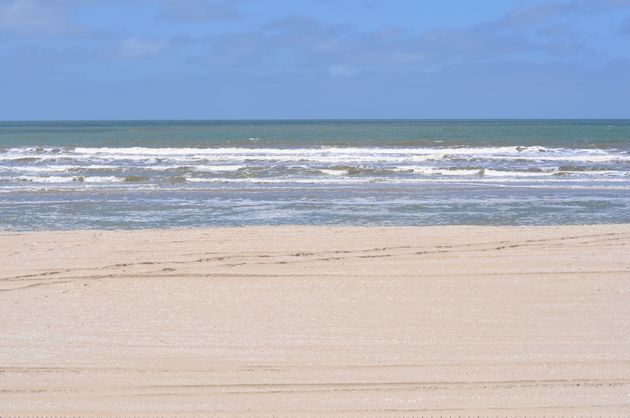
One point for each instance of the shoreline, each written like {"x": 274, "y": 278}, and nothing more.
{"x": 316, "y": 321}
{"x": 312, "y": 226}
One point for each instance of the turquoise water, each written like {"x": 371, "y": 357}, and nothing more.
{"x": 62, "y": 175}
{"x": 560, "y": 133}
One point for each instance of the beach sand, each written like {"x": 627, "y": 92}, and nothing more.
{"x": 316, "y": 321}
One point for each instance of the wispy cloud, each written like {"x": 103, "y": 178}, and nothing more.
{"x": 33, "y": 18}
{"x": 543, "y": 12}
{"x": 303, "y": 43}
{"x": 246, "y": 50}
{"x": 140, "y": 48}
{"x": 200, "y": 10}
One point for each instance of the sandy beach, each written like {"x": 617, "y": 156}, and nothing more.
{"x": 316, "y": 321}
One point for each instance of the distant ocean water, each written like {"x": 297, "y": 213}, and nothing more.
{"x": 153, "y": 174}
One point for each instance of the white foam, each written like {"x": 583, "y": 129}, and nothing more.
{"x": 218, "y": 168}
{"x": 69, "y": 179}
{"x": 412, "y": 164}
{"x": 45, "y": 179}
{"x": 103, "y": 179}
{"x": 27, "y": 169}
{"x": 323, "y": 155}
{"x": 333, "y": 172}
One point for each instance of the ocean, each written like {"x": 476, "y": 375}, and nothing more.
{"x": 164, "y": 174}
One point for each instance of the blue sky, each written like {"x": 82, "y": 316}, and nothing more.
{"x": 222, "y": 59}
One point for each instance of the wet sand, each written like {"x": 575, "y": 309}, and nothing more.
{"x": 316, "y": 321}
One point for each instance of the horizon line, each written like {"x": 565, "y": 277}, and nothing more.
{"x": 320, "y": 119}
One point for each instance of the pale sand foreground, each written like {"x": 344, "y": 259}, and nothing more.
{"x": 315, "y": 321}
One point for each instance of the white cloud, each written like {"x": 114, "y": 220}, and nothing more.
{"x": 37, "y": 18}
{"x": 341, "y": 70}
{"x": 139, "y": 48}
{"x": 199, "y": 10}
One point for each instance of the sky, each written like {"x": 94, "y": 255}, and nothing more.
{"x": 313, "y": 59}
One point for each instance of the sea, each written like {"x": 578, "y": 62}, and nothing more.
{"x": 173, "y": 174}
